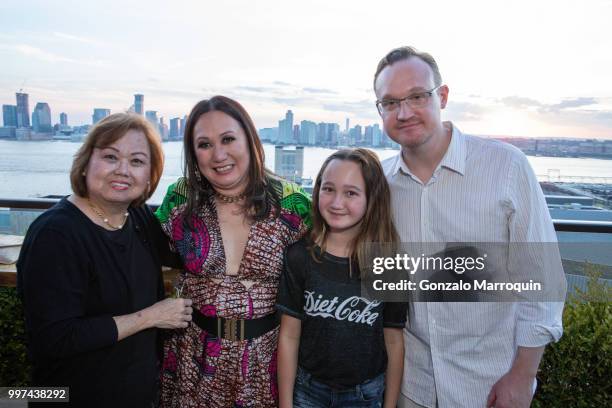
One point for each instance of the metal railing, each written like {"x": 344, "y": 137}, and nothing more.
{"x": 604, "y": 227}
{"x": 8, "y": 276}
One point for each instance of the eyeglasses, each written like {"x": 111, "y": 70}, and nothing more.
{"x": 415, "y": 101}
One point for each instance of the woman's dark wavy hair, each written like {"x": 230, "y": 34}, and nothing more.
{"x": 262, "y": 191}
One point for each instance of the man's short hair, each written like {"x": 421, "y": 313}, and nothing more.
{"x": 402, "y": 53}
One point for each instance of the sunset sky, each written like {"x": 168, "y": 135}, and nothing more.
{"x": 520, "y": 68}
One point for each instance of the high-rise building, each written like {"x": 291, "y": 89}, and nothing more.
{"x": 151, "y": 116}
{"x": 327, "y": 134}
{"x": 368, "y": 135}
{"x": 355, "y": 136}
{"x": 163, "y": 129}
{"x": 322, "y": 133}
{"x": 99, "y": 114}
{"x": 308, "y": 133}
{"x": 333, "y": 130}
{"x": 41, "y": 118}
{"x": 175, "y": 128}
{"x": 63, "y": 119}
{"x": 376, "y": 136}
{"x": 289, "y": 163}
{"x": 296, "y": 134}
{"x": 9, "y": 115}
{"x": 23, "y": 110}
{"x": 183, "y": 123}
{"x": 269, "y": 134}
{"x": 139, "y": 103}
{"x": 285, "y": 129}
{"x": 346, "y": 129}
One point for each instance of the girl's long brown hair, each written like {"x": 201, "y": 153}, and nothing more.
{"x": 377, "y": 223}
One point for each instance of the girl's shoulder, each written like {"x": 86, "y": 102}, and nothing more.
{"x": 298, "y": 252}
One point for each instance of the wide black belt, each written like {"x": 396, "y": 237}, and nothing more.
{"x": 235, "y": 329}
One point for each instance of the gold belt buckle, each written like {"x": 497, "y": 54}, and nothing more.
{"x": 230, "y": 328}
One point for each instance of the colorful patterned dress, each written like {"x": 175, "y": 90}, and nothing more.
{"x": 200, "y": 370}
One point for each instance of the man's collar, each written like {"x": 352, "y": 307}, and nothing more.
{"x": 454, "y": 159}
{"x": 455, "y": 156}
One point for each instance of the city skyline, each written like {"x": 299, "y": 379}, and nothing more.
{"x": 521, "y": 69}
{"x": 16, "y": 126}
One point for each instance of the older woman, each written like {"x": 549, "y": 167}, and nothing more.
{"x": 229, "y": 219}
{"x": 90, "y": 273}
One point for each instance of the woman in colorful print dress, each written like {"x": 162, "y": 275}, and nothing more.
{"x": 230, "y": 220}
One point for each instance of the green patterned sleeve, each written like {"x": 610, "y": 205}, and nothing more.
{"x": 175, "y": 196}
{"x": 296, "y": 200}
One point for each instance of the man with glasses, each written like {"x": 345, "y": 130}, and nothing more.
{"x": 450, "y": 187}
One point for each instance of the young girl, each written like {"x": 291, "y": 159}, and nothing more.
{"x": 337, "y": 348}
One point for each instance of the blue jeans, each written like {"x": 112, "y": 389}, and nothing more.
{"x": 310, "y": 393}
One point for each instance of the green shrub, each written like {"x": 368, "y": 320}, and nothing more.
{"x": 14, "y": 364}
{"x": 576, "y": 372}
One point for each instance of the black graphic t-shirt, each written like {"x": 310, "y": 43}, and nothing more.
{"x": 342, "y": 341}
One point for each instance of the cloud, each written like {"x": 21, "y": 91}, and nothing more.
{"x": 290, "y": 101}
{"x": 319, "y": 90}
{"x": 40, "y": 54}
{"x": 257, "y": 89}
{"x": 519, "y": 102}
{"x": 176, "y": 93}
{"x": 35, "y": 52}
{"x": 604, "y": 116}
{"x": 364, "y": 108}
{"x": 467, "y": 111}
{"x": 573, "y": 103}
{"x": 579, "y": 118}
{"x": 75, "y": 38}
{"x": 281, "y": 83}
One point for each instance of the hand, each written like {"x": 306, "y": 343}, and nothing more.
{"x": 513, "y": 390}
{"x": 171, "y": 313}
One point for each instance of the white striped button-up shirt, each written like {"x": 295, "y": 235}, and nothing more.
{"x": 482, "y": 191}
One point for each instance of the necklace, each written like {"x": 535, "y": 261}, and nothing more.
{"x": 105, "y": 219}
{"x": 229, "y": 199}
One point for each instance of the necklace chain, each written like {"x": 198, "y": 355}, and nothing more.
{"x": 229, "y": 199}
{"x": 105, "y": 219}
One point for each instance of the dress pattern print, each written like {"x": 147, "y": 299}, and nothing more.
{"x": 202, "y": 370}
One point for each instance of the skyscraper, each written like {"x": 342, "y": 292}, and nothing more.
{"x": 9, "y": 115}
{"x": 175, "y": 128}
{"x": 308, "y": 132}
{"x": 355, "y": 136}
{"x": 151, "y": 116}
{"x": 183, "y": 123}
{"x": 296, "y": 134}
{"x": 269, "y": 134}
{"x": 63, "y": 119}
{"x": 139, "y": 103}
{"x": 23, "y": 110}
{"x": 285, "y": 129}
{"x": 99, "y": 114}
{"x": 368, "y": 135}
{"x": 163, "y": 129}
{"x": 376, "y": 136}
{"x": 322, "y": 133}
{"x": 41, "y": 118}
